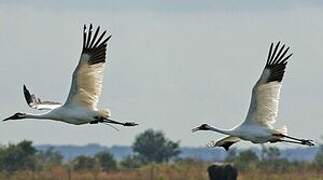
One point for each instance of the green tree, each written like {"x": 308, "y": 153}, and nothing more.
{"x": 319, "y": 156}
{"x": 152, "y": 146}
{"x": 18, "y": 157}
{"x": 271, "y": 153}
{"x": 246, "y": 160}
{"x": 50, "y": 157}
{"x": 82, "y": 163}
{"x": 271, "y": 160}
{"x": 232, "y": 154}
{"x": 106, "y": 161}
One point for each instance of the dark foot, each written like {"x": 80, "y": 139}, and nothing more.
{"x": 307, "y": 142}
{"x": 130, "y": 124}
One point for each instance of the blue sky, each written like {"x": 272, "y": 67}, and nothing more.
{"x": 172, "y": 65}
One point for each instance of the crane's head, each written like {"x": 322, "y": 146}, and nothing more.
{"x": 202, "y": 127}
{"x": 16, "y": 116}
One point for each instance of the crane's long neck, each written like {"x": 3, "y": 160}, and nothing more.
{"x": 223, "y": 131}
{"x": 38, "y": 116}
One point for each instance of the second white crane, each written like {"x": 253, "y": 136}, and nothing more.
{"x": 263, "y": 109}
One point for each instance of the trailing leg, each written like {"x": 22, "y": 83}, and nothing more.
{"x": 304, "y": 142}
{"x": 120, "y": 123}
{"x": 298, "y": 141}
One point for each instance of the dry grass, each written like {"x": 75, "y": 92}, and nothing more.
{"x": 290, "y": 175}
{"x": 182, "y": 171}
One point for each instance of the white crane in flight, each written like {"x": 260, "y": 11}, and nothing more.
{"x": 81, "y": 104}
{"x": 263, "y": 109}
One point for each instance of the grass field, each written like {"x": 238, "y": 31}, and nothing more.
{"x": 188, "y": 171}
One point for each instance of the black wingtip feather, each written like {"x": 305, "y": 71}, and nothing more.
{"x": 276, "y": 62}
{"x": 89, "y": 36}
{"x": 286, "y": 58}
{"x": 98, "y": 41}
{"x": 274, "y": 52}
{"x": 93, "y": 46}
{"x": 278, "y": 54}
{"x": 27, "y": 95}
{"x": 105, "y": 41}
{"x": 270, "y": 51}
{"x": 94, "y": 37}
{"x": 84, "y": 35}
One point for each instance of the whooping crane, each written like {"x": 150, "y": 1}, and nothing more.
{"x": 81, "y": 104}
{"x": 263, "y": 109}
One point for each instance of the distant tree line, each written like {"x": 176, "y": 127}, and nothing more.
{"x": 270, "y": 159}
{"x": 150, "y": 146}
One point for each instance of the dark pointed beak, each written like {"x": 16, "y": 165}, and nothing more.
{"x": 8, "y": 118}
{"x": 195, "y": 129}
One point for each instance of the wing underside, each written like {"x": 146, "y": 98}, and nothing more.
{"x": 266, "y": 92}
{"x": 36, "y": 103}
{"x": 88, "y": 76}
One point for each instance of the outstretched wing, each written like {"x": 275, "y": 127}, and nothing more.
{"x": 266, "y": 92}
{"x": 36, "y": 103}
{"x": 88, "y": 76}
{"x": 225, "y": 142}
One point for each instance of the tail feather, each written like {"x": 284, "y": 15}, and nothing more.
{"x": 106, "y": 113}
{"x": 283, "y": 130}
